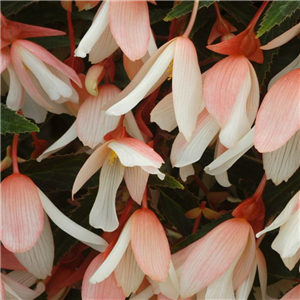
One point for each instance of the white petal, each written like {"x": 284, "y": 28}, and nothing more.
{"x": 128, "y": 274}
{"x": 282, "y": 163}
{"x": 132, "y": 127}
{"x": 284, "y": 216}
{"x": 39, "y": 259}
{"x": 23, "y": 277}
{"x": 67, "y": 138}
{"x": 291, "y": 261}
{"x": 103, "y": 214}
{"x": 114, "y": 257}
{"x": 163, "y": 114}
{"x": 53, "y": 86}
{"x": 184, "y": 153}
{"x": 155, "y": 171}
{"x": 287, "y": 242}
{"x": 136, "y": 181}
{"x": 145, "y": 294}
{"x": 99, "y": 24}
{"x": 222, "y": 179}
{"x": 150, "y": 75}
{"x": 15, "y": 97}
{"x": 228, "y": 158}
{"x": 104, "y": 47}
{"x": 186, "y": 171}
{"x": 34, "y": 111}
{"x": 70, "y": 227}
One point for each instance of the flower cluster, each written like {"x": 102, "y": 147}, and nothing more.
{"x": 130, "y": 107}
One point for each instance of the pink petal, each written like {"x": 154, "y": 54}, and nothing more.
{"x": 50, "y": 59}
{"x": 283, "y": 38}
{"x": 107, "y": 289}
{"x": 130, "y": 26}
{"x": 133, "y": 152}
{"x": 222, "y": 86}
{"x": 146, "y": 233}
{"x": 187, "y": 86}
{"x": 136, "y": 181}
{"x": 292, "y": 294}
{"x": 131, "y": 67}
{"x": 90, "y": 167}
{"x": 92, "y": 124}
{"x": 280, "y": 104}
{"x": 103, "y": 214}
{"x": 5, "y": 58}
{"x": 22, "y": 213}
{"x": 213, "y": 255}
{"x": 9, "y": 261}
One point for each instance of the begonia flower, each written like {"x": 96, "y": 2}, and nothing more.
{"x": 177, "y": 59}
{"x": 142, "y": 233}
{"x": 117, "y": 23}
{"x": 287, "y": 242}
{"x": 119, "y": 157}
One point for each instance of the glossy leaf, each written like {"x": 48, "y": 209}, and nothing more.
{"x": 277, "y": 12}
{"x": 11, "y": 122}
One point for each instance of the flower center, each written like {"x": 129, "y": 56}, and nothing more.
{"x": 113, "y": 156}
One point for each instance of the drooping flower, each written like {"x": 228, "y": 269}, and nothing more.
{"x": 287, "y": 242}
{"x": 121, "y": 156}
{"x": 223, "y": 259}
{"x": 180, "y": 56}
{"x": 22, "y": 224}
{"x": 117, "y": 23}
{"x": 136, "y": 253}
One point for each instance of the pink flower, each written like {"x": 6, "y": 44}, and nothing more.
{"x": 23, "y": 223}
{"x": 119, "y": 157}
{"x": 117, "y": 23}
{"x": 276, "y": 138}
{"x": 137, "y": 253}
{"x": 223, "y": 259}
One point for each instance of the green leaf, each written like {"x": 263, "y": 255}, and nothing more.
{"x": 277, "y": 12}
{"x": 175, "y": 214}
{"x": 13, "y": 7}
{"x": 242, "y": 11}
{"x": 51, "y": 42}
{"x": 184, "y": 8}
{"x": 11, "y": 122}
{"x": 56, "y": 173}
{"x": 157, "y": 15}
{"x": 169, "y": 182}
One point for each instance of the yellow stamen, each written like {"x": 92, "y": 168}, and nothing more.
{"x": 112, "y": 157}
{"x": 170, "y": 70}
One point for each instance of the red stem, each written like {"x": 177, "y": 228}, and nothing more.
{"x": 261, "y": 187}
{"x": 71, "y": 37}
{"x": 197, "y": 222}
{"x": 257, "y": 15}
{"x": 217, "y": 10}
{"x": 14, "y": 154}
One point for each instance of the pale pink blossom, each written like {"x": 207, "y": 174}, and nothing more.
{"x": 117, "y": 23}
{"x": 136, "y": 253}
{"x": 223, "y": 259}
{"x": 23, "y": 224}
{"x": 287, "y": 242}
{"x": 176, "y": 59}
{"x": 120, "y": 157}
